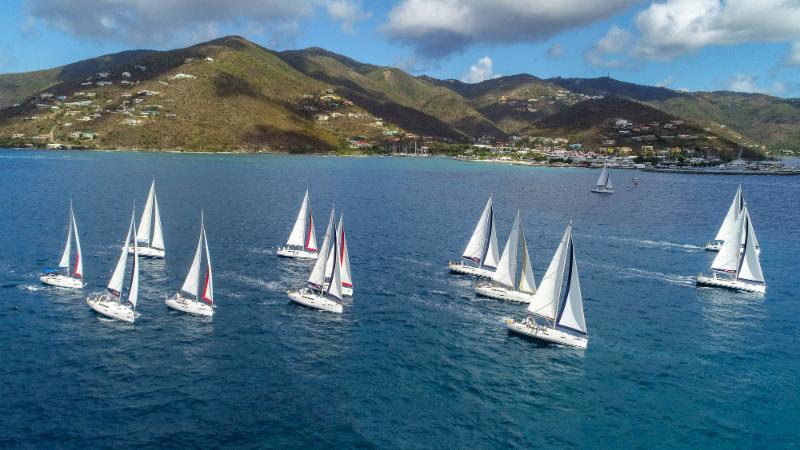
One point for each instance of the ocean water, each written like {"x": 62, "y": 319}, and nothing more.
{"x": 416, "y": 360}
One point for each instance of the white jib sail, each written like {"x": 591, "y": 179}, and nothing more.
{"x": 506, "y": 273}
{"x": 475, "y": 246}
{"x": 729, "y": 223}
{"x": 335, "y": 286}
{"x": 490, "y": 259}
{"x": 572, "y": 310}
{"x": 133, "y": 292}
{"x": 118, "y": 276}
{"x": 191, "y": 284}
{"x": 344, "y": 254}
{"x": 78, "y": 271}
{"x": 311, "y": 235}
{"x": 609, "y": 184}
{"x": 143, "y": 234}
{"x": 158, "y": 232}
{"x": 603, "y": 178}
{"x": 727, "y": 260}
{"x": 64, "y": 263}
{"x": 545, "y": 300}
{"x": 317, "y": 277}
{"x": 208, "y": 292}
{"x": 297, "y": 238}
{"x": 750, "y": 267}
{"x": 527, "y": 282}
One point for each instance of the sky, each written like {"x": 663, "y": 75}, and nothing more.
{"x": 696, "y": 45}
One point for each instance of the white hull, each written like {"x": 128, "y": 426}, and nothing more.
{"x": 713, "y": 246}
{"x": 602, "y": 191}
{"x": 107, "y": 305}
{"x": 288, "y": 252}
{"x": 148, "y": 252}
{"x": 189, "y": 306}
{"x": 547, "y": 334}
{"x": 463, "y": 269}
{"x": 731, "y": 283}
{"x": 312, "y": 300}
{"x": 62, "y": 281}
{"x": 502, "y": 293}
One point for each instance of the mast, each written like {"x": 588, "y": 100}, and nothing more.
{"x": 335, "y": 286}
{"x": 545, "y": 300}
{"x": 317, "y": 278}
{"x": 143, "y": 235}
{"x": 133, "y": 289}
{"x": 158, "y": 232}
{"x": 191, "y": 284}
{"x": 64, "y": 262}
{"x": 506, "y": 272}
{"x": 749, "y": 267}
{"x": 208, "y": 292}
{"x": 118, "y": 276}
{"x": 78, "y": 271}
{"x": 527, "y": 282}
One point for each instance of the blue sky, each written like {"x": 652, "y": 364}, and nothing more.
{"x": 738, "y": 45}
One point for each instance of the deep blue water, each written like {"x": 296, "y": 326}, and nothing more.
{"x": 416, "y": 360}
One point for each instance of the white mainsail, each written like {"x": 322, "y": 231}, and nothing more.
{"x": 78, "y": 271}
{"x": 335, "y": 286}
{"x": 527, "y": 282}
{"x": 191, "y": 284}
{"x": 118, "y": 276}
{"x": 317, "y": 278}
{"x": 143, "y": 234}
{"x": 727, "y": 260}
{"x": 298, "y": 235}
{"x": 604, "y": 180}
{"x": 64, "y": 263}
{"x": 729, "y": 224}
{"x": 571, "y": 311}
{"x": 344, "y": 254}
{"x": 476, "y": 246}
{"x": 506, "y": 273}
{"x": 545, "y": 300}
{"x": 133, "y": 290}
{"x": 750, "y": 266}
{"x": 158, "y": 233}
{"x": 208, "y": 292}
{"x": 491, "y": 254}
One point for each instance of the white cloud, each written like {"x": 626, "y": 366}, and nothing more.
{"x": 348, "y": 12}
{"x": 793, "y": 57}
{"x": 480, "y": 71}
{"x": 675, "y": 27}
{"x": 555, "y": 52}
{"x": 741, "y": 82}
{"x": 610, "y": 49}
{"x": 437, "y": 28}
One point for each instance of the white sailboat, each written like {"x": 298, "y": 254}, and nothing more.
{"x": 63, "y": 277}
{"x": 187, "y": 299}
{"x": 481, "y": 248}
{"x": 150, "y": 237}
{"x": 504, "y": 284}
{"x": 558, "y": 303}
{"x": 110, "y": 303}
{"x": 302, "y": 242}
{"x": 344, "y": 260}
{"x": 737, "y": 264}
{"x": 604, "y": 184}
{"x": 728, "y": 227}
{"x": 318, "y": 295}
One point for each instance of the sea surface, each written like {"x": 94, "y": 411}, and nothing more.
{"x": 416, "y": 360}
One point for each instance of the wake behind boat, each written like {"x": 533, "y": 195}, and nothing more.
{"x": 481, "y": 248}
{"x": 62, "y": 277}
{"x": 503, "y": 285}
{"x": 150, "y": 237}
{"x": 187, "y": 299}
{"x": 302, "y": 242}
{"x": 558, "y": 303}
{"x": 110, "y": 304}
{"x": 604, "y": 185}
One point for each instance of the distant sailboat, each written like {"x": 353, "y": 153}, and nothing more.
{"x": 558, "y": 303}
{"x": 737, "y": 264}
{"x": 604, "y": 185}
{"x": 62, "y": 277}
{"x": 344, "y": 260}
{"x": 150, "y": 237}
{"x": 318, "y": 294}
{"x": 481, "y": 248}
{"x": 504, "y": 284}
{"x": 187, "y": 299}
{"x": 110, "y": 303}
{"x": 302, "y": 242}
{"x": 729, "y": 226}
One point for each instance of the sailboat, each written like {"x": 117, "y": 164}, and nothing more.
{"x": 344, "y": 260}
{"x": 557, "y": 305}
{"x": 503, "y": 285}
{"x": 150, "y": 237}
{"x": 187, "y": 299}
{"x": 737, "y": 264}
{"x": 302, "y": 242}
{"x": 110, "y": 303}
{"x": 62, "y": 277}
{"x": 729, "y": 226}
{"x": 481, "y": 248}
{"x": 604, "y": 185}
{"x": 318, "y": 295}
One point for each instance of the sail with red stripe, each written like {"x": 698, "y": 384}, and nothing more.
{"x": 208, "y": 290}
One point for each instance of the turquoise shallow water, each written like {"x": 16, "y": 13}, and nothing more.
{"x": 416, "y": 360}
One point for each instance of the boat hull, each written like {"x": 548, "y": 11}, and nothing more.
{"x": 713, "y": 246}
{"x": 730, "y": 283}
{"x": 108, "y": 306}
{"x": 288, "y": 252}
{"x": 148, "y": 252}
{"x": 547, "y": 334}
{"x": 189, "y": 306}
{"x": 502, "y": 293}
{"x": 311, "y": 300}
{"x": 61, "y": 281}
{"x": 463, "y": 269}
{"x": 602, "y": 191}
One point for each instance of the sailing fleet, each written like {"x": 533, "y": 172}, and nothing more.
{"x": 554, "y": 309}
